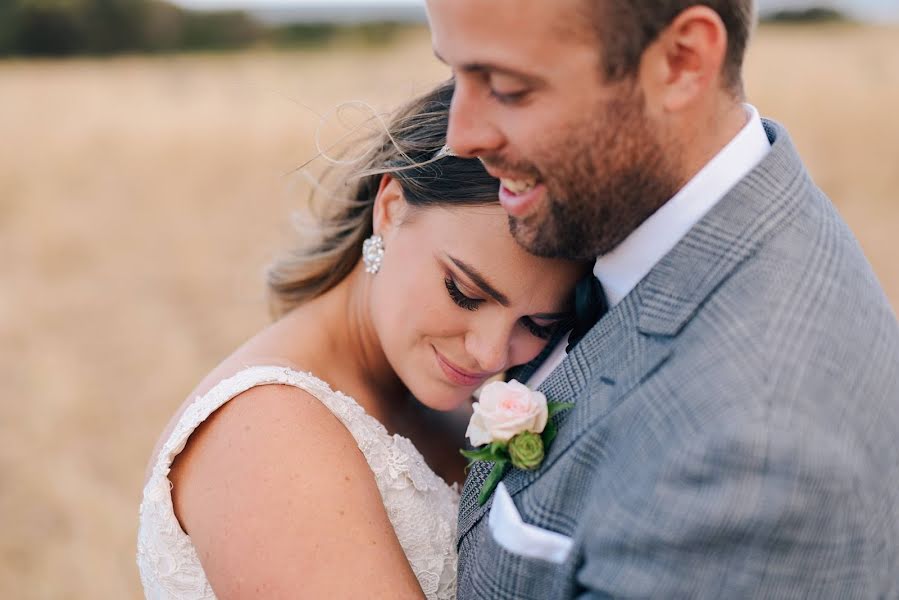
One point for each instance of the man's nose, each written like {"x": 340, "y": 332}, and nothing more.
{"x": 470, "y": 132}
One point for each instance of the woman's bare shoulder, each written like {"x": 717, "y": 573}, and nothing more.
{"x": 262, "y": 423}
{"x": 272, "y": 488}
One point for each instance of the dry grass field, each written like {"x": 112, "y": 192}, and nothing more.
{"x": 140, "y": 199}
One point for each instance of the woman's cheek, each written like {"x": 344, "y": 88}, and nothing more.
{"x": 525, "y": 350}
{"x": 438, "y": 316}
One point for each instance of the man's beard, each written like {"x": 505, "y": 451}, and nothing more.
{"x": 603, "y": 180}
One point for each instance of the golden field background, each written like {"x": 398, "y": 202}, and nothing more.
{"x": 140, "y": 199}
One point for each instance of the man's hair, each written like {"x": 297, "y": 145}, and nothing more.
{"x": 627, "y": 27}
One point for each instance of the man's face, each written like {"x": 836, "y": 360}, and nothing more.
{"x": 580, "y": 161}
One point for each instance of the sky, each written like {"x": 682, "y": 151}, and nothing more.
{"x": 875, "y": 9}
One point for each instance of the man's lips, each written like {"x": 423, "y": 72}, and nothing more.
{"x": 458, "y": 375}
{"x": 522, "y": 204}
{"x": 518, "y": 194}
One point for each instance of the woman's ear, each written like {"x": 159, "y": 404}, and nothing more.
{"x": 390, "y": 206}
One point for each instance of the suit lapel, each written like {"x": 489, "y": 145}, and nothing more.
{"x": 606, "y": 365}
{"x": 637, "y": 336}
{"x": 759, "y": 205}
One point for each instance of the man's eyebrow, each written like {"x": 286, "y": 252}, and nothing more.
{"x": 479, "y": 281}
{"x": 490, "y": 68}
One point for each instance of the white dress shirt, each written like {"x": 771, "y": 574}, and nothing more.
{"x": 623, "y": 268}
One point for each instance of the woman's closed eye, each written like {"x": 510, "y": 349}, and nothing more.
{"x": 458, "y": 297}
{"x": 544, "y": 332}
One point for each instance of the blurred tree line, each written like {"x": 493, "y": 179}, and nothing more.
{"x": 68, "y": 27}
{"x": 807, "y": 15}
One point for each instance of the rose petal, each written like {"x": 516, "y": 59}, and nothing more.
{"x": 477, "y": 432}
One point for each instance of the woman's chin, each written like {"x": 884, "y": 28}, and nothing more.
{"x": 445, "y": 402}
{"x": 441, "y": 395}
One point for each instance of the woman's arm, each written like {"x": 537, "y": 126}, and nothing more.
{"x": 280, "y": 503}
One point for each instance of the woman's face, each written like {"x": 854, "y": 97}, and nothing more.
{"x": 457, "y": 300}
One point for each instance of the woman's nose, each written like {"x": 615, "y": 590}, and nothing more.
{"x": 490, "y": 348}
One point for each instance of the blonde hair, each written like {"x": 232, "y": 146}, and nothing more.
{"x": 408, "y": 149}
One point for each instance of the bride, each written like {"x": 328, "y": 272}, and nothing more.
{"x": 319, "y": 459}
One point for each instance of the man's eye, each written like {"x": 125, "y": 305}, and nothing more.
{"x": 504, "y": 88}
{"x": 508, "y": 97}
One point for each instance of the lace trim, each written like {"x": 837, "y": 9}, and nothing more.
{"x": 420, "y": 505}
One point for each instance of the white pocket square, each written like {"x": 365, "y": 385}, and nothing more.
{"x": 520, "y": 538}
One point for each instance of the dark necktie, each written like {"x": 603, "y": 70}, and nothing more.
{"x": 589, "y": 307}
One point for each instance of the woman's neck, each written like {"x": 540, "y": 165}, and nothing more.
{"x": 346, "y": 352}
{"x": 360, "y": 340}
{"x": 333, "y": 337}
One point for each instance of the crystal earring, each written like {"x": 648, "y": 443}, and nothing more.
{"x": 373, "y": 253}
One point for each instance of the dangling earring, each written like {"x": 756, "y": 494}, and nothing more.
{"x": 373, "y": 253}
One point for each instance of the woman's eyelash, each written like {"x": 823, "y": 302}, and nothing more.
{"x": 540, "y": 331}
{"x": 463, "y": 301}
{"x": 458, "y": 297}
{"x": 547, "y": 331}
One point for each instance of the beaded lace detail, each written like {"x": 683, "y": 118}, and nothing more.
{"x": 420, "y": 505}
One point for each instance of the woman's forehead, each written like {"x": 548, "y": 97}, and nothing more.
{"x": 479, "y": 238}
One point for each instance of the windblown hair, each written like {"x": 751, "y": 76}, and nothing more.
{"x": 626, "y": 28}
{"x": 407, "y": 149}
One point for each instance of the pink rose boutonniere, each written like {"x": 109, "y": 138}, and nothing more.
{"x": 510, "y": 426}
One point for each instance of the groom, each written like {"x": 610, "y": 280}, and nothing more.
{"x": 736, "y": 424}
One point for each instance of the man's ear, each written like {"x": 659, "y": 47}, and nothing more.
{"x": 685, "y": 61}
{"x": 390, "y": 206}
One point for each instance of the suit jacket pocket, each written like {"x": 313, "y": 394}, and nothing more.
{"x": 514, "y": 535}
{"x": 516, "y": 567}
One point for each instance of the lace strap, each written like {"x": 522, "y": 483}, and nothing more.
{"x": 372, "y": 438}
{"x": 344, "y": 408}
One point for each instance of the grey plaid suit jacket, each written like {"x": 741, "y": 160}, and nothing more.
{"x": 736, "y": 428}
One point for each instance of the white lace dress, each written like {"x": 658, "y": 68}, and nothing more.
{"x": 420, "y": 505}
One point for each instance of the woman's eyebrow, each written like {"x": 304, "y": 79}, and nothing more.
{"x": 480, "y": 281}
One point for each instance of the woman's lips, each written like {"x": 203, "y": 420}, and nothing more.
{"x": 520, "y": 205}
{"x": 458, "y": 375}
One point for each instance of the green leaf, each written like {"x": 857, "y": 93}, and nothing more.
{"x": 557, "y": 407}
{"x": 484, "y": 453}
{"x": 499, "y": 448}
{"x": 549, "y": 434}
{"x": 496, "y": 474}
{"x": 492, "y": 452}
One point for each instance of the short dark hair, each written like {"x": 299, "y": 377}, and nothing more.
{"x": 627, "y": 27}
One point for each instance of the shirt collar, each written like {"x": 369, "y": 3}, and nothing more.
{"x": 623, "y": 268}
